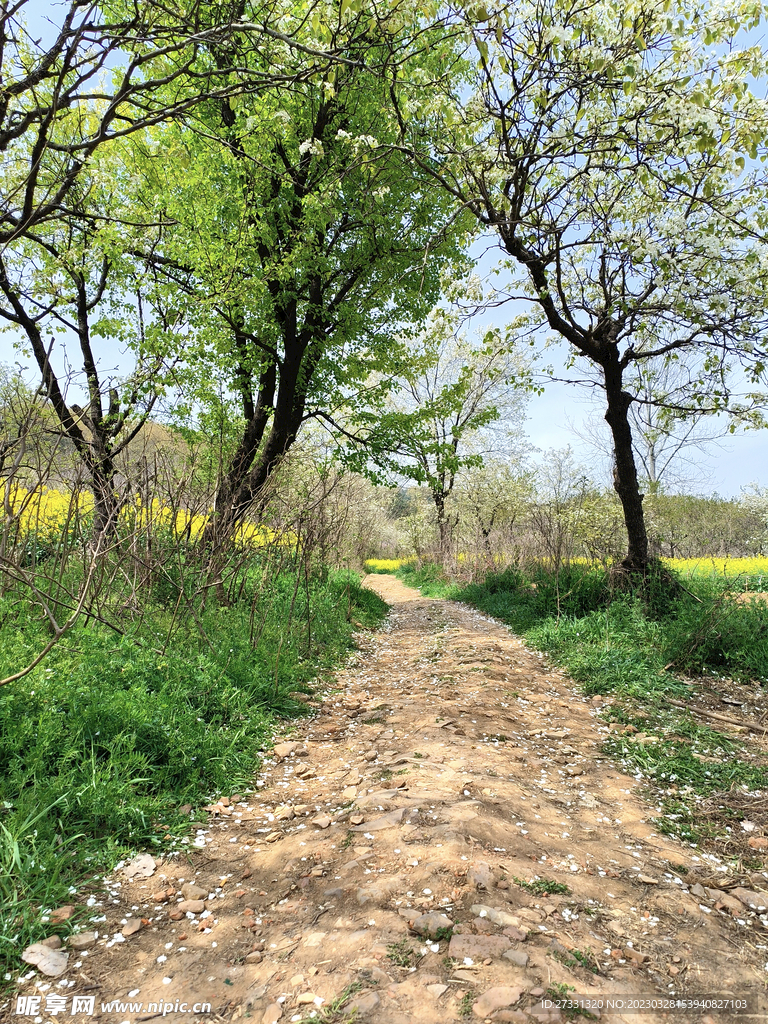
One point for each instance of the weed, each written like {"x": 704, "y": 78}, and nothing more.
{"x": 559, "y": 993}
{"x": 465, "y": 1006}
{"x": 576, "y": 958}
{"x": 402, "y": 953}
{"x": 349, "y": 838}
{"x": 417, "y": 754}
{"x": 542, "y": 886}
{"x": 336, "y": 1012}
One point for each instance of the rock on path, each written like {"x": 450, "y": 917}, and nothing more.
{"x": 379, "y": 860}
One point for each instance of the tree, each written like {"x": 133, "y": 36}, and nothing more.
{"x": 604, "y": 148}
{"x": 306, "y": 239}
{"x": 59, "y": 105}
{"x": 81, "y": 248}
{"x": 459, "y": 402}
{"x": 73, "y": 278}
{"x": 666, "y": 441}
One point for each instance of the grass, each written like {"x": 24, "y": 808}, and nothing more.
{"x": 465, "y": 1006}
{"x": 336, "y": 1011}
{"x": 542, "y": 886}
{"x": 111, "y": 734}
{"x": 642, "y": 648}
{"x": 427, "y": 577}
{"x": 402, "y": 953}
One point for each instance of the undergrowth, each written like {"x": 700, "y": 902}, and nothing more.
{"x": 111, "y": 734}
{"x": 428, "y": 577}
{"x": 642, "y": 647}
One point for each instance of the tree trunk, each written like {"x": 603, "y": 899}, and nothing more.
{"x": 625, "y": 471}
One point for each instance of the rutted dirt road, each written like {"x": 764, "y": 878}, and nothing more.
{"x": 450, "y": 764}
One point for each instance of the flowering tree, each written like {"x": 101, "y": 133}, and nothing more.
{"x": 305, "y": 236}
{"x": 604, "y": 145}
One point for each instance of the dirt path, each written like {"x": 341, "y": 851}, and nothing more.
{"x": 450, "y": 764}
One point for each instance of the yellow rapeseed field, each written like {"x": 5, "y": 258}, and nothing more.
{"x": 386, "y": 564}
{"x": 48, "y": 513}
{"x": 756, "y": 568}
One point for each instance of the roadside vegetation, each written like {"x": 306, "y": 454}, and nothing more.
{"x": 673, "y": 662}
{"x": 163, "y": 692}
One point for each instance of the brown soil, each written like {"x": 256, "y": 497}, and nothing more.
{"x": 450, "y": 765}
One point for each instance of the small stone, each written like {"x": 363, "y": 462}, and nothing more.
{"x": 321, "y": 821}
{"x": 698, "y": 890}
{"x": 730, "y": 904}
{"x": 176, "y": 915}
{"x": 282, "y": 750}
{"x": 537, "y": 992}
{"x": 634, "y": 955}
{"x": 162, "y": 896}
{"x": 305, "y": 997}
{"x": 464, "y": 976}
{"x": 674, "y": 971}
{"x": 191, "y": 891}
{"x": 758, "y": 842}
{"x": 497, "y": 998}
{"x": 648, "y": 879}
{"x": 142, "y": 866}
{"x": 480, "y": 875}
{"x": 255, "y": 957}
{"x": 433, "y": 925}
{"x": 285, "y": 813}
{"x": 83, "y": 940}
{"x": 51, "y": 962}
{"x": 186, "y": 809}
{"x": 364, "y": 1003}
{"x": 436, "y": 990}
{"x": 574, "y": 769}
{"x": 387, "y": 820}
{"x": 273, "y": 837}
{"x": 52, "y": 942}
{"x": 356, "y": 819}
{"x": 754, "y": 900}
{"x": 272, "y": 1013}
{"x": 62, "y": 914}
{"x": 370, "y": 755}
{"x": 517, "y": 956}
{"x": 133, "y": 926}
{"x": 349, "y": 793}
{"x": 191, "y": 906}
{"x": 498, "y": 917}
